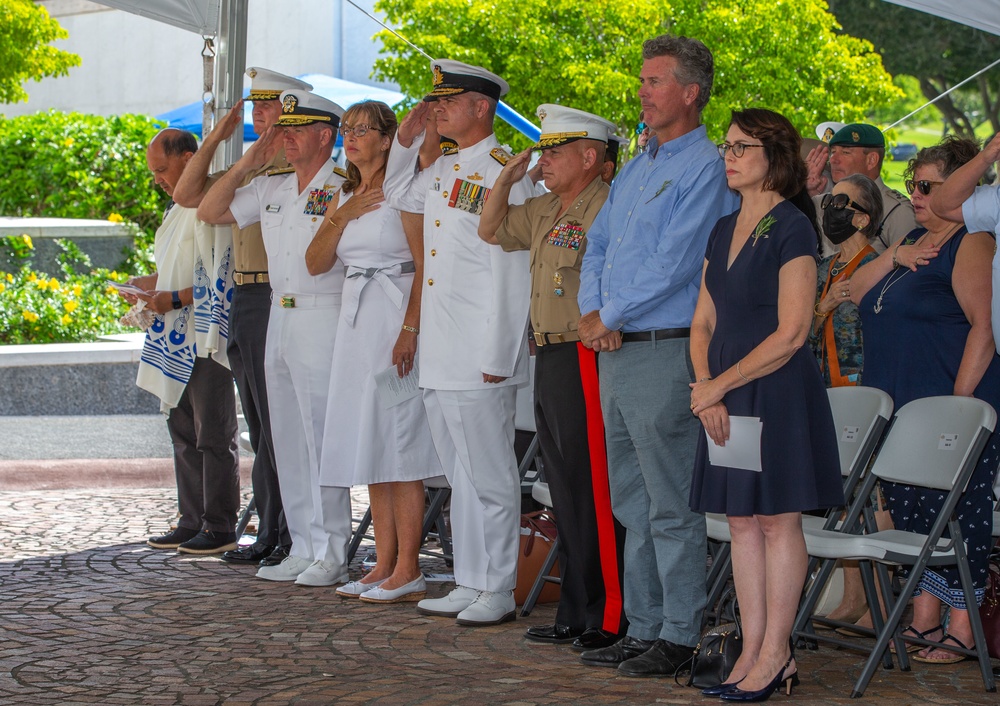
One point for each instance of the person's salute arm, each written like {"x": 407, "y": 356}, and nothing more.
{"x": 192, "y": 186}
{"x": 214, "y": 207}
{"x": 496, "y": 206}
{"x": 405, "y": 185}
{"x": 947, "y": 199}
{"x": 816, "y": 181}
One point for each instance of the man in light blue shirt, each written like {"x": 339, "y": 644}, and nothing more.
{"x": 638, "y": 288}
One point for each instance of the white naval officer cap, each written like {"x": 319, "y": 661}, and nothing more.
{"x": 267, "y": 85}
{"x": 561, "y": 125}
{"x": 826, "y": 131}
{"x": 454, "y": 77}
{"x": 305, "y": 108}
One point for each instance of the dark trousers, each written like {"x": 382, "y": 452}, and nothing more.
{"x": 247, "y": 335}
{"x": 206, "y": 457}
{"x": 591, "y": 541}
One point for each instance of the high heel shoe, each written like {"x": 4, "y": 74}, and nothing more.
{"x": 720, "y": 689}
{"x": 790, "y": 680}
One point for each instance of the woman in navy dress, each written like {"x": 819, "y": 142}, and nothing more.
{"x": 752, "y": 319}
{"x": 925, "y": 313}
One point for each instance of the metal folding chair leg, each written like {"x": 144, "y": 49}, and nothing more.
{"x": 541, "y": 579}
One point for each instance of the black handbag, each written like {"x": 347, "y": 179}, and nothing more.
{"x": 718, "y": 650}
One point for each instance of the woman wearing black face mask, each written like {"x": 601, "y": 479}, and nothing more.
{"x": 851, "y": 215}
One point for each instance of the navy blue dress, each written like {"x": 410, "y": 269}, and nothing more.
{"x": 799, "y": 456}
{"x": 913, "y": 347}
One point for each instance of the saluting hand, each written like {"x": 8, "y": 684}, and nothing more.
{"x": 224, "y": 129}
{"x": 413, "y": 124}
{"x": 263, "y": 150}
{"x": 815, "y": 164}
{"x": 515, "y": 169}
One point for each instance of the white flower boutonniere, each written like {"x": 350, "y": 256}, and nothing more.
{"x": 763, "y": 228}
{"x": 663, "y": 187}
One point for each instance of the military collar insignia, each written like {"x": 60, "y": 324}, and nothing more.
{"x": 280, "y": 170}
{"x": 340, "y": 171}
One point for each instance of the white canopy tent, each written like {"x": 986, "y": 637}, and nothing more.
{"x": 981, "y": 14}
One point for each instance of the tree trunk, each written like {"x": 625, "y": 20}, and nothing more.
{"x": 957, "y": 120}
{"x": 990, "y": 106}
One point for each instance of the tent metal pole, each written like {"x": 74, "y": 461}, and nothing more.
{"x": 230, "y": 66}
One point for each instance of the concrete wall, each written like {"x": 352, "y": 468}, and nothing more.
{"x": 131, "y": 64}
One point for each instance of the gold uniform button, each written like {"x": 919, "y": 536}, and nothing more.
{"x": 457, "y": 167}
{"x": 314, "y": 219}
{"x": 430, "y": 283}
{"x": 446, "y": 194}
{"x": 433, "y": 253}
{"x": 437, "y": 223}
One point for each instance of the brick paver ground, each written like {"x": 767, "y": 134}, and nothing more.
{"x": 90, "y": 615}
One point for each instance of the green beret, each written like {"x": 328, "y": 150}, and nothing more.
{"x": 858, "y": 135}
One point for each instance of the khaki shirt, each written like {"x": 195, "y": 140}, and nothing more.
{"x": 557, "y": 245}
{"x": 248, "y": 243}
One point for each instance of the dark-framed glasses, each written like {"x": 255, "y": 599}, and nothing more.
{"x": 839, "y": 202}
{"x": 923, "y": 185}
{"x": 357, "y": 130}
{"x": 738, "y": 148}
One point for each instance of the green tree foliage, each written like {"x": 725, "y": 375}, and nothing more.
{"x": 787, "y": 56}
{"x": 26, "y": 31}
{"x": 940, "y": 53}
{"x": 70, "y": 165}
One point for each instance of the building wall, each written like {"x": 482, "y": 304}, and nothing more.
{"x": 131, "y": 64}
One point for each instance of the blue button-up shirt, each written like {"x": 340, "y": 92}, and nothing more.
{"x": 646, "y": 248}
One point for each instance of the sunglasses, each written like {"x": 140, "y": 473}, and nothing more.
{"x": 839, "y": 202}
{"x": 923, "y": 185}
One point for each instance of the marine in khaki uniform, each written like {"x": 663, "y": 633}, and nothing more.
{"x": 567, "y": 399}
{"x": 251, "y": 308}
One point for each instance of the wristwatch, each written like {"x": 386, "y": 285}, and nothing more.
{"x": 175, "y": 300}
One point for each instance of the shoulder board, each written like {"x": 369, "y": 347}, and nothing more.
{"x": 339, "y": 171}
{"x": 898, "y": 195}
{"x": 500, "y": 154}
{"x": 282, "y": 170}
{"x": 449, "y": 149}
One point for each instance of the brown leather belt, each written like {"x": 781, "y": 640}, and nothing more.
{"x": 250, "y": 278}
{"x": 546, "y": 339}
{"x": 660, "y": 335}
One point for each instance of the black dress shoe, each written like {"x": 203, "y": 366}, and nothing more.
{"x": 276, "y": 557}
{"x": 661, "y": 660}
{"x": 251, "y": 554}
{"x": 594, "y": 639}
{"x": 554, "y": 634}
{"x": 625, "y": 649}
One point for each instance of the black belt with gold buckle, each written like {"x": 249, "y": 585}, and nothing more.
{"x": 547, "y": 339}
{"x": 241, "y": 278}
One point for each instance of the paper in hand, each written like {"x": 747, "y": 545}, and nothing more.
{"x": 393, "y": 390}
{"x": 742, "y": 449}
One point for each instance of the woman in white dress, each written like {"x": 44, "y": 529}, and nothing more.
{"x": 388, "y": 448}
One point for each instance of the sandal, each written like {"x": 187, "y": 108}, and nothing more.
{"x": 910, "y": 648}
{"x": 947, "y": 660}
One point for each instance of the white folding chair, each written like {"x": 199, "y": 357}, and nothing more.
{"x": 860, "y": 416}
{"x": 934, "y": 443}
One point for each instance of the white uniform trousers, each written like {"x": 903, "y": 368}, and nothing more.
{"x": 473, "y": 432}
{"x": 297, "y": 366}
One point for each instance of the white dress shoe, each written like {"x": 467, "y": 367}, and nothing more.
{"x": 322, "y": 573}
{"x": 488, "y": 609}
{"x": 448, "y": 606}
{"x": 353, "y": 589}
{"x": 287, "y": 570}
{"x": 412, "y": 591}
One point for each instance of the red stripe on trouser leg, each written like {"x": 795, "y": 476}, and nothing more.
{"x": 607, "y": 543}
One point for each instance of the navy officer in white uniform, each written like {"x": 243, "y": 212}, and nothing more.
{"x": 473, "y": 325}
{"x": 290, "y": 205}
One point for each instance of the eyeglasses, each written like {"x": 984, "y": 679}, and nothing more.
{"x": 924, "y": 186}
{"x": 738, "y": 149}
{"x": 357, "y": 130}
{"x": 839, "y": 202}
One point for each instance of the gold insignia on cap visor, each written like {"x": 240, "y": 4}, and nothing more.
{"x": 288, "y": 105}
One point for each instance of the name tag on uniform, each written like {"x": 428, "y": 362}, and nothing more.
{"x": 469, "y": 197}
{"x": 272, "y": 208}
{"x": 567, "y": 235}
{"x": 319, "y": 199}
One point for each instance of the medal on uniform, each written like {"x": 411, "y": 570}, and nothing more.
{"x": 319, "y": 199}
{"x": 557, "y": 278}
{"x": 468, "y": 197}
{"x": 567, "y": 235}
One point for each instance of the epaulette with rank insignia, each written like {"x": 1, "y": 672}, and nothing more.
{"x": 448, "y": 146}
{"x": 340, "y": 171}
{"x": 501, "y": 155}
{"x": 280, "y": 170}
